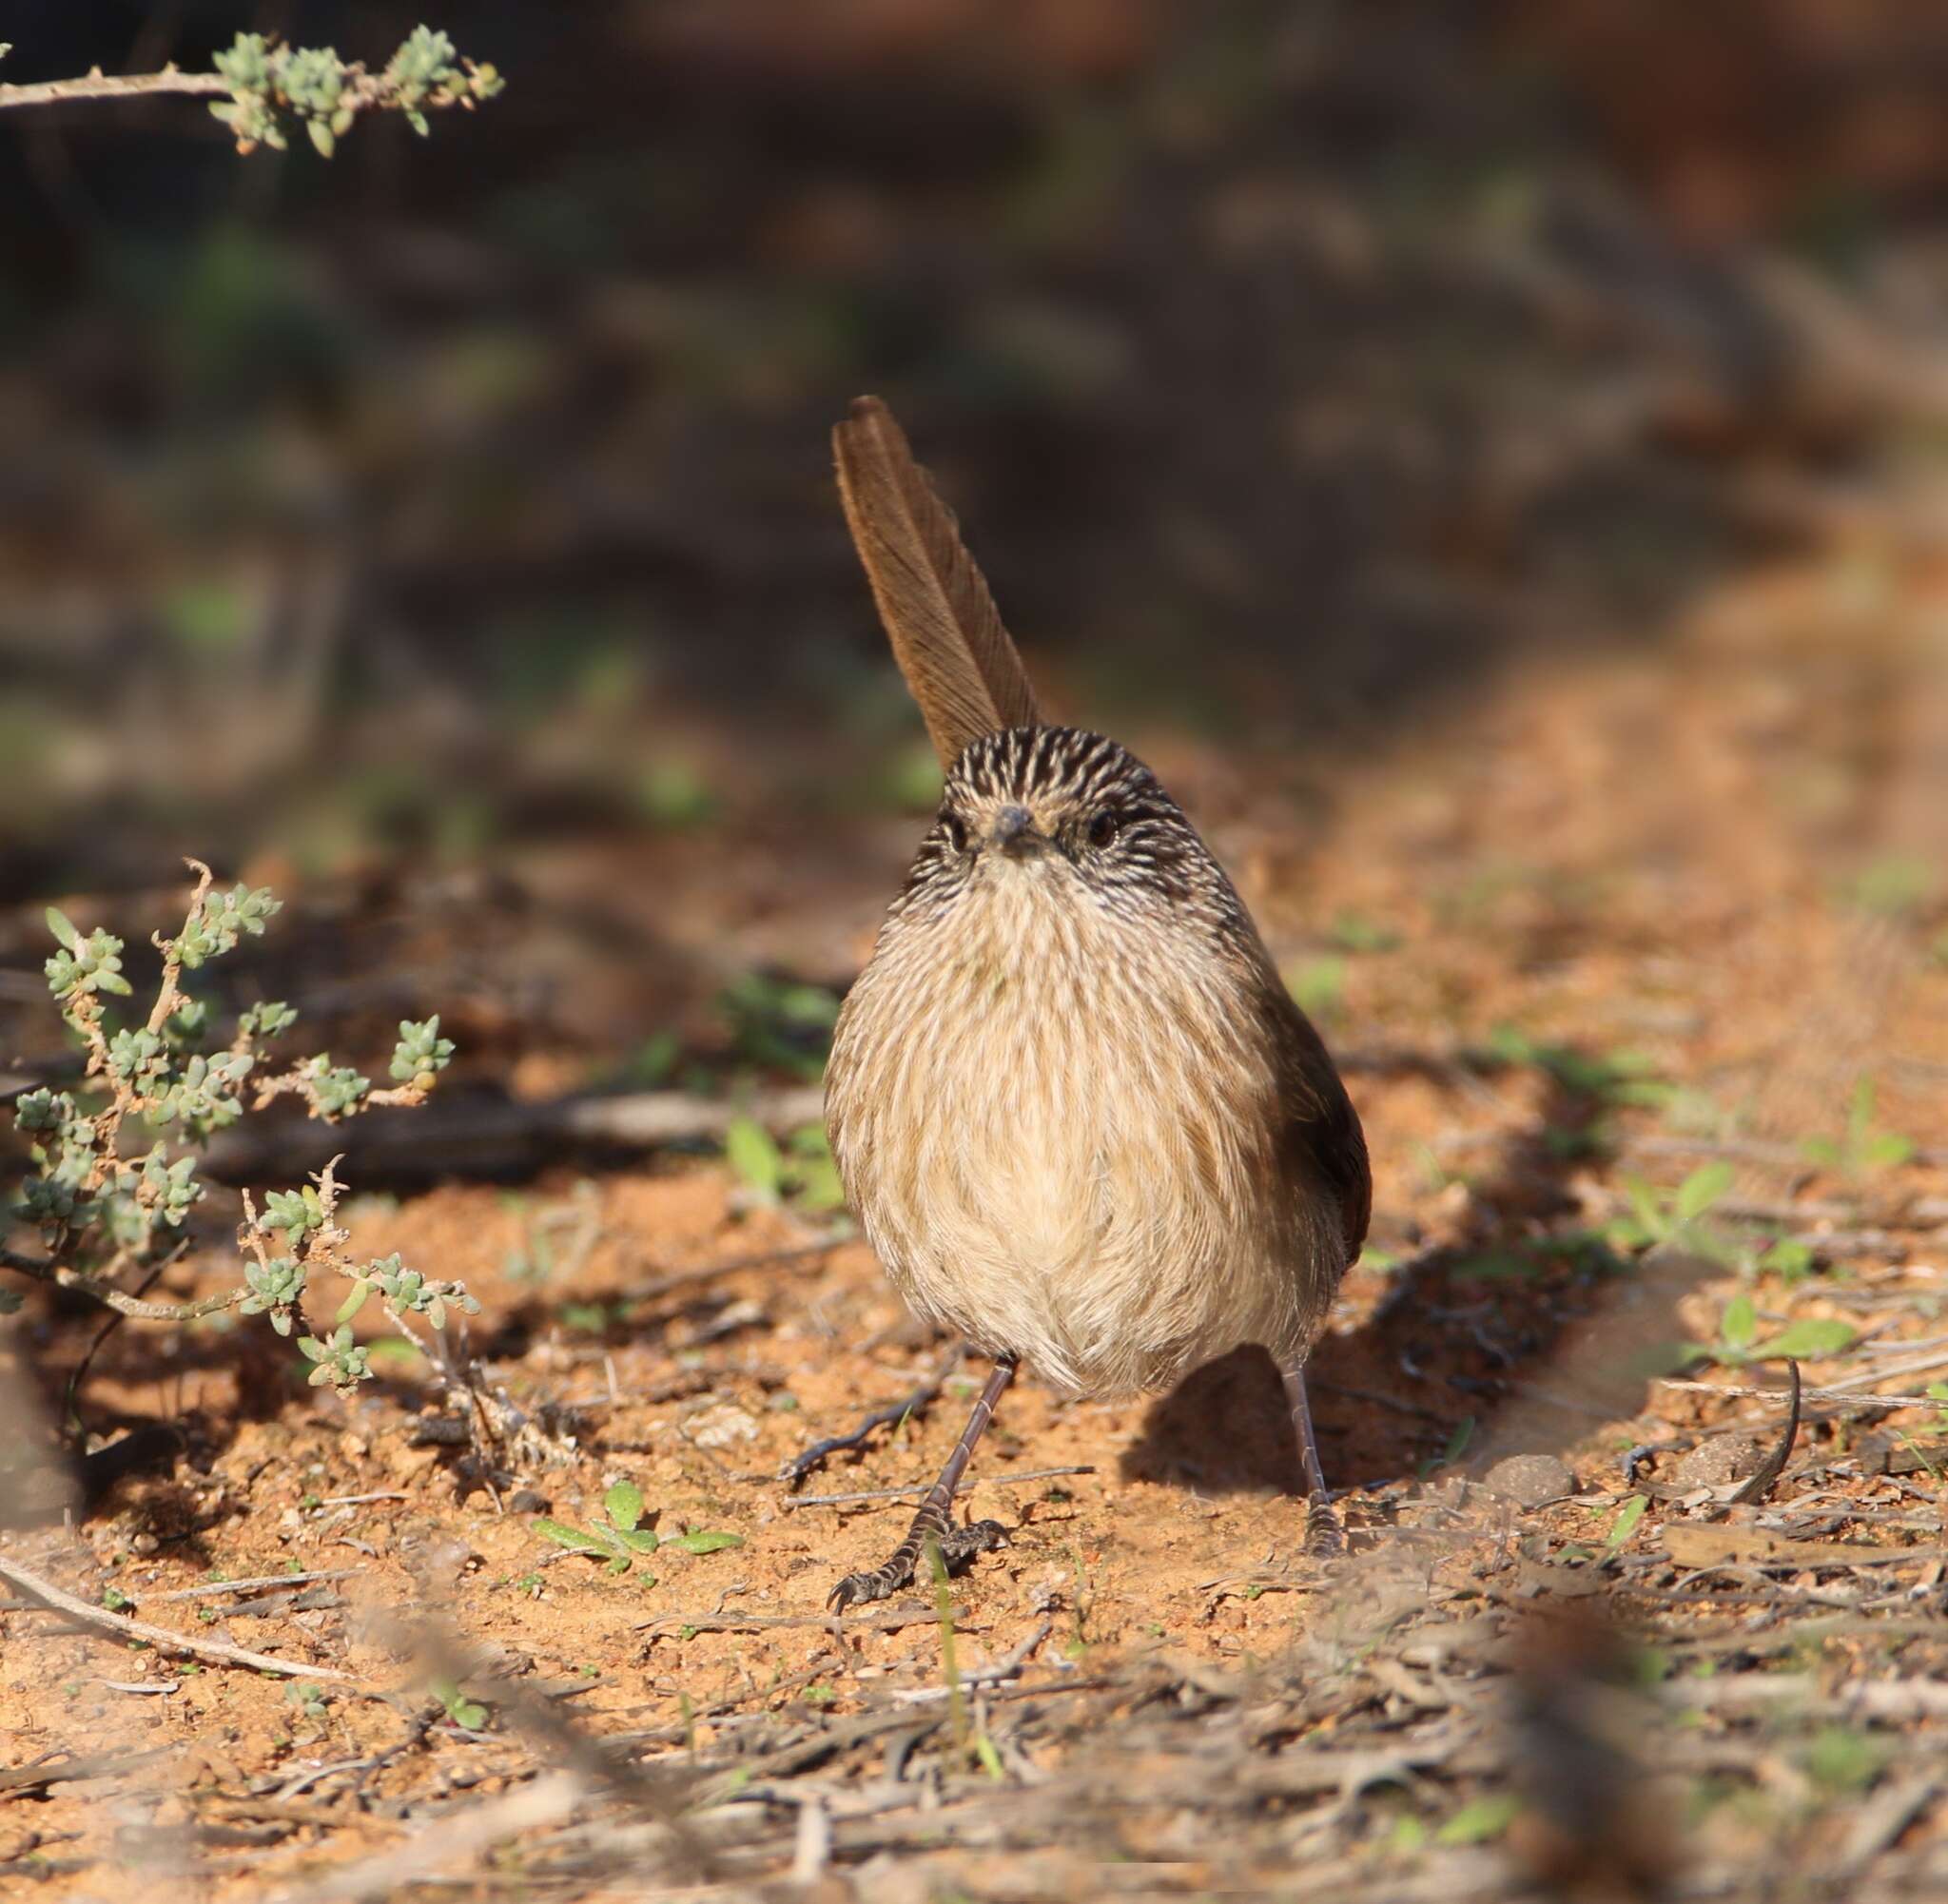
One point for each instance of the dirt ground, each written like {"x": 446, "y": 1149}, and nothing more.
{"x": 1611, "y": 921}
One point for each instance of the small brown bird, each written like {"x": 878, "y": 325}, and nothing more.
{"x": 1081, "y": 1118}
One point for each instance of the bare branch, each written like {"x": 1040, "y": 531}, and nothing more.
{"x": 160, "y": 1637}
{"x": 60, "y": 1276}
{"x": 98, "y": 84}
{"x": 1849, "y": 1397}
{"x": 265, "y": 92}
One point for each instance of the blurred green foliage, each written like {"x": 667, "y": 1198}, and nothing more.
{"x": 99, "y": 1210}
{"x": 275, "y": 88}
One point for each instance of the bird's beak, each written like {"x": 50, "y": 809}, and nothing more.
{"x": 1014, "y": 833}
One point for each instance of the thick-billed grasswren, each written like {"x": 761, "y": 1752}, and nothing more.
{"x": 1081, "y": 1118}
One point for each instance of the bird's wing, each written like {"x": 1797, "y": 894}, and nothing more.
{"x": 1322, "y": 1129}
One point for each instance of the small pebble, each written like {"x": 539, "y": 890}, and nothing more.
{"x": 1528, "y": 1480}
{"x": 723, "y": 1425}
{"x": 1724, "y": 1458}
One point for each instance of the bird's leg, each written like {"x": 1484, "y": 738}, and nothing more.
{"x": 934, "y": 1523}
{"x": 1325, "y": 1536}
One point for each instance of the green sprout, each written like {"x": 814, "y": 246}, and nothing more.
{"x": 802, "y": 1170}
{"x": 620, "y": 1538}
{"x": 1861, "y": 1148}
{"x": 468, "y": 1714}
{"x": 1677, "y": 1220}
{"x": 1807, "y": 1340}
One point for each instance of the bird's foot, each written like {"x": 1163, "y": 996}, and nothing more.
{"x": 1325, "y": 1532}
{"x": 958, "y": 1546}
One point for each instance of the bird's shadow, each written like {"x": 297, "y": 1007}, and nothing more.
{"x": 1471, "y": 1353}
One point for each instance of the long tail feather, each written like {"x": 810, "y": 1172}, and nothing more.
{"x": 947, "y": 639}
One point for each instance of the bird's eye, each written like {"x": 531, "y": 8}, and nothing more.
{"x": 956, "y": 832}
{"x": 1102, "y": 830}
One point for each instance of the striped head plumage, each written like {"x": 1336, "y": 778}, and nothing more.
{"x": 1062, "y": 803}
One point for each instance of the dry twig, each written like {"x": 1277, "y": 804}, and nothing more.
{"x": 162, "y": 1638}
{"x": 922, "y": 1398}
{"x": 1773, "y": 1466}
{"x": 794, "y": 1502}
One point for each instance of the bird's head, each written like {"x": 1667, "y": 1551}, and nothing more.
{"x": 1072, "y": 811}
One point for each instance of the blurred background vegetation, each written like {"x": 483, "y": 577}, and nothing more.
{"x": 462, "y": 511}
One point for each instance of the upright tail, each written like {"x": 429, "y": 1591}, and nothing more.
{"x": 958, "y": 659}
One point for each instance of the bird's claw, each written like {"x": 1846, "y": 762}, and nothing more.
{"x": 857, "y": 1588}
{"x": 958, "y": 1546}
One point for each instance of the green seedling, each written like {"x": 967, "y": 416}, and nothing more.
{"x": 1499, "y": 1266}
{"x": 1894, "y": 887}
{"x": 1847, "y": 1763}
{"x": 468, "y": 1714}
{"x": 1861, "y": 1148}
{"x": 1626, "y": 1522}
{"x": 1788, "y": 1259}
{"x": 534, "y": 1262}
{"x": 802, "y": 1169}
{"x": 309, "y": 1699}
{"x": 618, "y": 1541}
{"x": 1318, "y": 985}
{"x": 780, "y": 1024}
{"x": 673, "y": 794}
{"x": 910, "y": 780}
{"x": 1455, "y": 1448}
{"x": 1810, "y": 1339}
{"x": 1676, "y": 1220}
{"x": 1480, "y": 1821}
{"x": 970, "y": 1740}
{"x": 1611, "y": 1079}
{"x": 578, "y": 1219}
{"x": 621, "y": 1539}
{"x": 705, "y": 1540}
{"x": 653, "y": 1061}
{"x": 1351, "y": 932}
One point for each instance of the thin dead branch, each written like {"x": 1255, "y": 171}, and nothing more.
{"x": 59, "y": 1276}
{"x": 98, "y": 84}
{"x": 58, "y": 1600}
{"x": 531, "y": 1806}
{"x": 794, "y": 1502}
{"x": 1773, "y": 1467}
{"x": 1852, "y": 1398}
{"x": 907, "y": 1408}
{"x": 456, "y": 1138}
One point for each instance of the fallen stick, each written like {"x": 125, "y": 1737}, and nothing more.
{"x": 50, "y": 1769}
{"x": 160, "y": 1636}
{"x": 492, "y": 1136}
{"x": 1773, "y": 1466}
{"x": 456, "y": 1841}
{"x": 793, "y": 1503}
{"x": 1850, "y": 1396}
{"x": 885, "y": 1621}
{"x": 891, "y": 1415}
